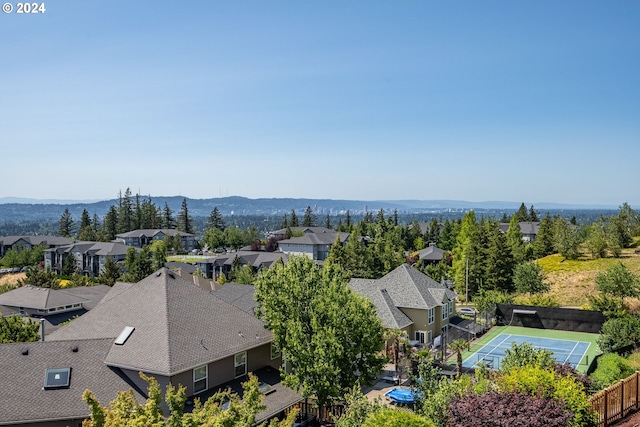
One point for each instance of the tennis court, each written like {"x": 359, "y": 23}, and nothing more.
{"x": 576, "y": 348}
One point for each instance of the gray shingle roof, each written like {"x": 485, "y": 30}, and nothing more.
{"x": 327, "y": 238}
{"x": 241, "y": 296}
{"x": 431, "y": 253}
{"x": 152, "y": 232}
{"x": 404, "y": 287}
{"x": 36, "y": 240}
{"x": 304, "y": 230}
{"x": 39, "y": 298}
{"x": 93, "y": 248}
{"x": 22, "y": 375}
{"x": 178, "y": 325}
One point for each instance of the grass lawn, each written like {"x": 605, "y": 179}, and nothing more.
{"x": 572, "y": 281}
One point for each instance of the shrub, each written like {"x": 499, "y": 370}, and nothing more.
{"x": 611, "y": 368}
{"x": 396, "y": 418}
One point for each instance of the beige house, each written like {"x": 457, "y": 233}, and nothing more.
{"x": 407, "y": 299}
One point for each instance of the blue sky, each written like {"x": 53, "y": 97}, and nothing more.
{"x": 534, "y": 101}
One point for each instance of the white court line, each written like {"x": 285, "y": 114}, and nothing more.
{"x": 486, "y": 345}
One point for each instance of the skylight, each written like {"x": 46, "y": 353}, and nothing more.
{"x": 124, "y": 335}
{"x": 57, "y": 378}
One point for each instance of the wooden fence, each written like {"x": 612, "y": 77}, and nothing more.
{"x": 617, "y": 401}
{"x": 327, "y": 414}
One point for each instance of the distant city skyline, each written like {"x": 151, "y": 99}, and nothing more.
{"x": 459, "y": 100}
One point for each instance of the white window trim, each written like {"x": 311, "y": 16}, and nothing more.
{"x": 236, "y": 365}
{"x": 431, "y": 316}
{"x": 206, "y": 379}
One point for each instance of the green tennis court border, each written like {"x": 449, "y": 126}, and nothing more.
{"x": 590, "y": 354}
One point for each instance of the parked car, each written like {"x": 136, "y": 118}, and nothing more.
{"x": 467, "y": 311}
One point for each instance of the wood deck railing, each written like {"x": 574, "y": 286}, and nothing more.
{"x": 617, "y": 401}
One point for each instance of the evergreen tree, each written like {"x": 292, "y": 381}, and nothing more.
{"x": 327, "y": 222}
{"x": 86, "y": 232}
{"x": 448, "y": 236}
{"x": 498, "y": 262}
{"x": 15, "y": 329}
{"x": 514, "y": 241}
{"x": 168, "y": 220}
{"x": 125, "y": 212}
{"x": 85, "y": 220}
{"x": 95, "y": 224}
{"x": 566, "y": 239}
{"x": 137, "y": 214}
{"x": 309, "y": 219}
{"x": 110, "y": 224}
{"x": 533, "y": 215}
{"x": 185, "y": 223}
{"x": 66, "y": 227}
{"x": 347, "y": 222}
{"x": 293, "y": 222}
{"x": 522, "y": 214}
{"x": 529, "y": 277}
{"x": 466, "y": 256}
{"x": 69, "y": 265}
{"x": 543, "y": 244}
{"x": 216, "y": 220}
{"x": 110, "y": 272}
{"x": 285, "y": 222}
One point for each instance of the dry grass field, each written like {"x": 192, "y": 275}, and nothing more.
{"x": 11, "y": 278}
{"x": 573, "y": 281}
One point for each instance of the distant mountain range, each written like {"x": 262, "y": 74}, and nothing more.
{"x": 22, "y": 209}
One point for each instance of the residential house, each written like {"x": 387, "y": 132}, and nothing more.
{"x": 143, "y": 237}
{"x": 529, "y": 229}
{"x": 280, "y": 234}
{"x": 28, "y": 242}
{"x": 431, "y": 254}
{"x": 213, "y": 267}
{"x": 90, "y": 257}
{"x": 409, "y": 300}
{"x": 181, "y": 334}
{"x": 314, "y": 245}
{"x": 50, "y": 306}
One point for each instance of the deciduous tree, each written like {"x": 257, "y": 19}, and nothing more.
{"x": 330, "y": 336}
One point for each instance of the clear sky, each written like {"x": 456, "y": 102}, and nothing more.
{"x": 534, "y": 101}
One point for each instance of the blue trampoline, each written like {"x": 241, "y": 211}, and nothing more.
{"x": 401, "y": 395}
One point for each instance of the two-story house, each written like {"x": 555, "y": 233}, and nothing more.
{"x": 143, "y": 237}
{"x": 407, "y": 299}
{"x": 90, "y": 257}
{"x": 164, "y": 326}
{"x": 313, "y": 245}
{"x": 28, "y": 242}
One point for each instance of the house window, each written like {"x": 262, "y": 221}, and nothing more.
{"x": 420, "y": 336}
{"x": 429, "y": 337}
{"x": 450, "y": 308}
{"x": 275, "y": 351}
{"x": 432, "y": 316}
{"x": 240, "y": 363}
{"x": 445, "y": 310}
{"x": 200, "y": 379}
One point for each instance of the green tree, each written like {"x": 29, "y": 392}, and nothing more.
{"x": 327, "y": 222}
{"x": 458, "y": 347}
{"x": 390, "y": 417}
{"x": 611, "y": 368}
{"x": 466, "y": 257}
{"x": 216, "y": 220}
{"x": 525, "y": 354}
{"x": 125, "y": 212}
{"x": 543, "y": 244}
{"x": 168, "y": 220}
{"x": 566, "y": 239}
{"x": 330, "y": 336}
{"x": 69, "y": 265}
{"x": 619, "y": 332}
{"x": 18, "y": 329}
{"x": 521, "y": 215}
{"x": 110, "y": 272}
{"x": 137, "y": 264}
{"x": 514, "y": 241}
{"x": 85, "y": 220}
{"x": 533, "y": 215}
{"x": 233, "y": 237}
{"x": 66, "y": 226}
{"x": 214, "y": 237}
{"x": 529, "y": 277}
{"x": 293, "y": 221}
{"x": 41, "y": 277}
{"x": 618, "y": 282}
{"x": 498, "y": 260}
{"x": 110, "y": 225}
{"x": 185, "y": 222}
{"x": 309, "y": 219}
{"x": 159, "y": 250}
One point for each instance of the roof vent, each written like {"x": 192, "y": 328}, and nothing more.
{"x": 74, "y": 348}
{"x": 170, "y": 274}
{"x": 240, "y": 334}
{"x": 25, "y": 351}
{"x": 124, "y": 335}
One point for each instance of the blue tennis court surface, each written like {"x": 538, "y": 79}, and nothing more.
{"x": 491, "y": 354}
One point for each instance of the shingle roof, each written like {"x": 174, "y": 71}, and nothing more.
{"x": 25, "y": 400}
{"x": 35, "y": 240}
{"x": 304, "y": 230}
{"x": 431, "y": 253}
{"x": 327, "y": 238}
{"x": 256, "y": 259}
{"x": 404, "y": 287}
{"x": 39, "y": 298}
{"x": 150, "y": 232}
{"x": 93, "y": 248}
{"x": 390, "y": 315}
{"x": 241, "y": 296}
{"x": 178, "y": 325}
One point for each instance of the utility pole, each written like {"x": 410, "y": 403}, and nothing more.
{"x": 466, "y": 277}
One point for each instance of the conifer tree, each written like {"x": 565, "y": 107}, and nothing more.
{"x": 327, "y": 222}
{"x": 514, "y": 240}
{"x": 543, "y": 244}
{"x": 309, "y": 219}
{"x": 293, "y": 222}
{"x": 216, "y": 220}
{"x": 125, "y": 212}
{"x": 168, "y": 220}
{"x": 110, "y": 224}
{"x": 66, "y": 225}
{"x": 185, "y": 223}
{"x": 522, "y": 214}
{"x": 533, "y": 215}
